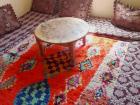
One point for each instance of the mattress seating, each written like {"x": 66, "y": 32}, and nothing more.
{"x": 32, "y": 19}
{"x": 23, "y": 34}
{"x": 105, "y": 27}
{"x": 38, "y": 14}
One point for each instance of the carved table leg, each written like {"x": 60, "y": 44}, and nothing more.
{"x": 42, "y": 53}
{"x": 72, "y": 53}
{"x": 41, "y": 48}
{"x": 84, "y": 40}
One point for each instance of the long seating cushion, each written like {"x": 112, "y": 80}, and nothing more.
{"x": 29, "y": 22}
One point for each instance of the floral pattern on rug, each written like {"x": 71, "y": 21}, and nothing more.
{"x": 114, "y": 63}
{"x": 73, "y": 82}
{"x": 28, "y": 65}
{"x": 99, "y": 59}
{"x": 7, "y": 83}
{"x": 23, "y": 47}
{"x": 106, "y": 78}
{"x": 126, "y": 90}
{"x": 93, "y": 97}
{"x": 93, "y": 51}
{"x": 89, "y": 65}
{"x": 106, "y": 75}
{"x": 85, "y": 65}
{"x": 60, "y": 99}
{"x": 10, "y": 57}
{"x": 13, "y": 55}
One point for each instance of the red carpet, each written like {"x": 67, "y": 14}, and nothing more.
{"x": 62, "y": 86}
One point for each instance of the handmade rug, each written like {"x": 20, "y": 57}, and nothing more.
{"x": 127, "y": 87}
{"x": 23, "y": 80}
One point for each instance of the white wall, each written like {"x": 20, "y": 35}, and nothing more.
{"x": 104, "y": 8}
{"x": 20, "y": 6}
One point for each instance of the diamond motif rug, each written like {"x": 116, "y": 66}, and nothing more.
{"x": 91, "y": 82}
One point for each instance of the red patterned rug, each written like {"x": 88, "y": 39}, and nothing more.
{"x": 90, "y": 82}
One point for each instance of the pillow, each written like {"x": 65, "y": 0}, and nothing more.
{"x": 44, "y": 6}
{"x": 126, "y": 17}
{"x": 2, "y": 23}
{"x": 8, "y": 19}
{"x": 74, "y": 8}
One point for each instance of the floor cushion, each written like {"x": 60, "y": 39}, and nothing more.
{"x": 2, "y": 26}
{"x": 126, "y": 17}
{"x": 75, "y": 8}
{"x": 44, "y": 6}
{"x": 8, "y": 19}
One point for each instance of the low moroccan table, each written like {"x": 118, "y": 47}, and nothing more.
{"x": 63, "y": 31}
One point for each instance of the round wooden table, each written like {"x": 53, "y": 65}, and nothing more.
{"x": 64, "y": 31}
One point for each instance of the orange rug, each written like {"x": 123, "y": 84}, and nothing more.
{"x": 22, "y": 76}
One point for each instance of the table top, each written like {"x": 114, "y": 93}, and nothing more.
{"x": 62, "y": 30}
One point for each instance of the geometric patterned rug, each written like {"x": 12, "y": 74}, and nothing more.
{"x": 93, "y": 81}
{"x": 127, "y": 88}
{"x": 35, "y": 94}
